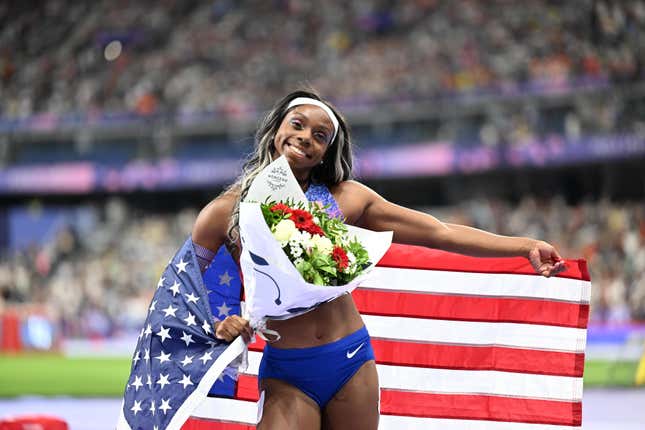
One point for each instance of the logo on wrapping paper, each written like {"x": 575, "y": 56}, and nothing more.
{"x": 277, "y": 178}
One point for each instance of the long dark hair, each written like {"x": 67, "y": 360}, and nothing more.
{"x": 337, "y": 162}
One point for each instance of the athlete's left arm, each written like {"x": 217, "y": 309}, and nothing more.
{"x": 418, "y": 228}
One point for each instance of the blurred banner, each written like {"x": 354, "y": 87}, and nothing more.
{"x": 28, "y": 328}
{"x": 425, "y": 159}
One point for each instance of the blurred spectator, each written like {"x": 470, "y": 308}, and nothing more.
{"x": 64, "y": 57}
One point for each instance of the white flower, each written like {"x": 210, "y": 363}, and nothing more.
{"x": 301, "y": 238}
{"x": 323, "y": 244}
{"x": 296, "y": 249}
{"x": 351, "y": 257}
{"x": 284, "y": 230}
{"x": 297, "y": 261}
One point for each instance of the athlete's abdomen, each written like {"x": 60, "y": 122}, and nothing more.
{"x": 327, "y": 323}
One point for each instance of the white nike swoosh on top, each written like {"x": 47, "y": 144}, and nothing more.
{"x": 353, "y": 353}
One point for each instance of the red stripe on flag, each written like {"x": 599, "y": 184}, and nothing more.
{"x": 247, "y": 388}
{"x": 470, "y": 308}
{"x": 418, "y": 257}
{"x": 258, "y": 345}
{"x": 201, "y": 424}
{"x": 479, "y": 407}
{"x": 458, "y": 406}
{"x": 461, "y": 357}
{"x": 471, "y": 357}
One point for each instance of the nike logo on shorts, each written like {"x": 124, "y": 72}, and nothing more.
{"x": 353, "y": 353}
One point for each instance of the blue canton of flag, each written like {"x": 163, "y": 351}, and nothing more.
{"x": 224, "y": 289}
{"x": 177, "y": 358}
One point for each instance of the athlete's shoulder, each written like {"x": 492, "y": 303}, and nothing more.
{"x": 213, "y": 220}
{"x": 353, "y": 188}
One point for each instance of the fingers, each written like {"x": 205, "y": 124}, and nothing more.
{"x": 232, "y": 327}
{"x": 548, "y": 269}
{"x": 559, "y": 267}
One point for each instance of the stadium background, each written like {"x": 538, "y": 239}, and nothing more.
{"x": 120, "y": 120}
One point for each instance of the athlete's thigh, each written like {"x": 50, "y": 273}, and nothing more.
{"x": 286, "y": 407}
{"x": 355, "y": 406}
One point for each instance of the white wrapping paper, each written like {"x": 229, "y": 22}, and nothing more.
{"x": 274, "y": 289}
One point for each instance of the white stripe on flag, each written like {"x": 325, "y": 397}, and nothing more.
{"x": 531, "y": 336}
{"x": 478, "y": 284}
{"x": 485, "y": 382}
{"x": 232, "y": 410}
{"x": 394, "y": 422}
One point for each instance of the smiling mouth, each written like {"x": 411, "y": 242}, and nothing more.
{"x": 297, "y": 150}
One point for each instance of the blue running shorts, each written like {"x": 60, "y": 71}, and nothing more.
{"x": 319, "y": 371}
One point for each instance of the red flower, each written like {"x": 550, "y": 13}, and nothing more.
{"x": 311, "y": 227}
{"x": 340, "y": 257}
{"x": 280, "y": 207}
{"x": 301, "y": 218}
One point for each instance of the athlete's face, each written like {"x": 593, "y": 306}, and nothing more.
{"x": 304, "y": 136}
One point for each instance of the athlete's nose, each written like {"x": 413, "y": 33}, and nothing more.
{"x": 304, "y": 136}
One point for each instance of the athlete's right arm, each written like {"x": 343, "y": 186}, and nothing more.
{"x": 211, "y": 232}
{"x": 211, "y": 227}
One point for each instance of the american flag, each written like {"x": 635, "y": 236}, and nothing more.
{"x": 177, "y": 359}
{"x": 460, "y": 342}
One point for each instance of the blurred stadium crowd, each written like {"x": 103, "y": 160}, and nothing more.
{"x": 99, "y": 282}
{"x": 232, "y": 57}
{"x": 162, "y": 60}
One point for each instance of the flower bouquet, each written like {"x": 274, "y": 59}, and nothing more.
{"x": 318, "y": 245}
{"x": 294, "y": 256}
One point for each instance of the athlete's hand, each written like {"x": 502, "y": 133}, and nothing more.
{"x": 233, "y": 326}
{"x": 545, "y": 259}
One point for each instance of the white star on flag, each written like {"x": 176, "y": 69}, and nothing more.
{"x": 206, "y": 357}
{"x": 185, "y": 381}
{"x": 136, "y": 358}
{"x": 187, "y": 360}
{"x": 207, "y": 327}
{"x": 181, "y": 266}
{"x": 146, "y": 356}
{"x": 174, "y": 288}
{"x": 163, "y": 380}
{"x": 149, "y": 381}
{"x": 187, "y": 338}
{"x": 148, "y": 331}
{"x": 225, "y": 279}
{"x": 190, "y": 320}
{"x": 165, "y": 405}
{"x": 160, "y": 283}
{"x": 163, "y": 357}
{"x": 191, "y": 298}
{"x": 223, "y": 310}
{"x": 163, "y": 333}
{"x": 152, "y": 307}
{"x": 140, "y": 334}
{"x": 152, "y": 407}
{"x": 137, "y": 407}
{"x": 169, "y": 311}
{"x": 137, "y": 383}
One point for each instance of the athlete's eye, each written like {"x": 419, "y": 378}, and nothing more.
{"x": 321, "y": 136}
{"x": 296, "y": 124}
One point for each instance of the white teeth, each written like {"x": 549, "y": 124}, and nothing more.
{"x": 297, "y": 151}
